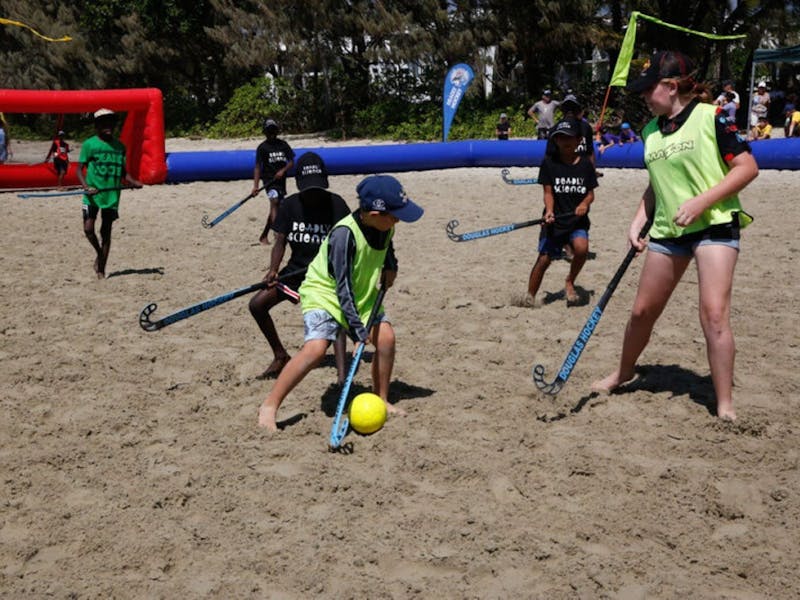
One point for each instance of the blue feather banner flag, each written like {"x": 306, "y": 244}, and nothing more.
{"x": 455, "y": 84}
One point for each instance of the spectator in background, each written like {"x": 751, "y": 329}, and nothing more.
{"x": 729, "y": 108}
{"x": 5, "y": 151}
{"x": 760, "y": 104}
{"x": 627, "y": 135}
{"x": 791, "y": 127}
{"x": 59, "y": 150}
{"x": 762, "y": 130}
{"x": 607, "y": 139}
{"x": 722, "y": 99}
{"x": 543, "y": 114}
{"x": 503, "y": 127}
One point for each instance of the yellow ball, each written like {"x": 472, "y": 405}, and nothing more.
{"x": 367, "y": 413}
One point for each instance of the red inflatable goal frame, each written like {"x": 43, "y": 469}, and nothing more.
{"x": 142, "y": 131}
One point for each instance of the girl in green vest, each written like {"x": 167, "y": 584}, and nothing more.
{"x": 698, "y": 163}
{"x": 341, "y": 286}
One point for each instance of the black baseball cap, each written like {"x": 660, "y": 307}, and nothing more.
{"x": 310, "y": 172}
{"x": 565, "y": 127}
{"x": 662, "y": 65}
{"x": 270, "y": 124}
{"x": 570, "y": 102}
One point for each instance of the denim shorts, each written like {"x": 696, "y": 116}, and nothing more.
{"x": 718, "y": 235}
{"x": 687, "y": 249}
{"x": 554, "y": 247}
{"x": 319, "y": 324}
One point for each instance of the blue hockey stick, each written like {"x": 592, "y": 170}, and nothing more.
{"x": 482, "y": 233}
{"x": 574, "y": 354}
{"x": 505, "y": 172}
{"x": 80, "y": 192}
{"x": 340, "y": 422}
{"x": 190, "y": 311}
{"x": 207, "y": 225}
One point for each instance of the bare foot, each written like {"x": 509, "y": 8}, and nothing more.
{"x": 275, "y": 367}
{"x": 612, "y": 382}
{"x": 98, "y": 270}
{"x": 570, "y": 293}
{"x": 725, "y": 411}
{"x": 266, "y": 417}
{"x": 394, "y": 410}
{"x": 531, "y": 301}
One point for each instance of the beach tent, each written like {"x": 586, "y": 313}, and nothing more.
{"x": 790, "y": 54}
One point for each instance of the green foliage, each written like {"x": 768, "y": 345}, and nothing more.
{"x": 244, "y": 114}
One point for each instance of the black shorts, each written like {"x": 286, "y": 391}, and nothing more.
{"x": 60, "y": 165}
{"x": 108, "y": 214}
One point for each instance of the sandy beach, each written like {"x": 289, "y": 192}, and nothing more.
{"x": 132, "y": 466}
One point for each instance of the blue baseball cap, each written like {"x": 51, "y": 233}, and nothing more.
{"x": 626, "y": 125}
{"x": 385, "y": 194}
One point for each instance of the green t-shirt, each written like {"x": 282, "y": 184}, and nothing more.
{"x": 105, "y": 166}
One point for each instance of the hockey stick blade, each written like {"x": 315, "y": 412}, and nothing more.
{"x": 209, "y": 224}
{"x": 554, "y": 387}
{"x": 511, "y": 181}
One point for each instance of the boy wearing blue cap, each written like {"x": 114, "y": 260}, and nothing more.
{"x": 341, "y": 286}
{"x": 627, "y": 135}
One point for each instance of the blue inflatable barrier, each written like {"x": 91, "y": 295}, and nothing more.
{"x": 398, "y": 158}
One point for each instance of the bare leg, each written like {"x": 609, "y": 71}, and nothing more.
{"x": 310, "y": 355}
{"x": 105, "y": 245}
{"x": 260, "y": 305}
{"x": 580, "y": 250}
{"x": 339, "y": 354}
{"x": 383, "y": 363}
{"x": 273, "y": 212}
{"x": 660, "y": 274}
{"x": 88, "y": 230}
{"x": 715, "y": 266}
{"x": 537, "y": 274}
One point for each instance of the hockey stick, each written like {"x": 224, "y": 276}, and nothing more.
{"x": 80, "y": 192}
{"x": 482, "y": 233}
{"x": 505, "y": 172}
{"x": 341, "y": 422}
{"x": 207, "y": 225}
{"x": 190, "y": 311}
{"x": 574, "y": 354}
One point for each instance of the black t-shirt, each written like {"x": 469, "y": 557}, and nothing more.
{"x": 305, "y": 219}
{"x": 570, "y": 185}
{"x": 273, "y": 155}
{"x": 502, "y": 130}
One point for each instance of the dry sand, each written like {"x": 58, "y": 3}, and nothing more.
{"x": 132, "y": 466}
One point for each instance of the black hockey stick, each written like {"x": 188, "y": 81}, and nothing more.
{"x": 505, "y": 172}
{"x": 190, "y": 311}
{"x": 341, "y": 422}
{"x": 204, "y": 221}
{"x": 574, "y": 354}
{"x": 482, "y": 233}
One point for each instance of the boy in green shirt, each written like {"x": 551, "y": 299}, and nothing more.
{"x": 103, "y": 158}
{"x": 341, "y": 285}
